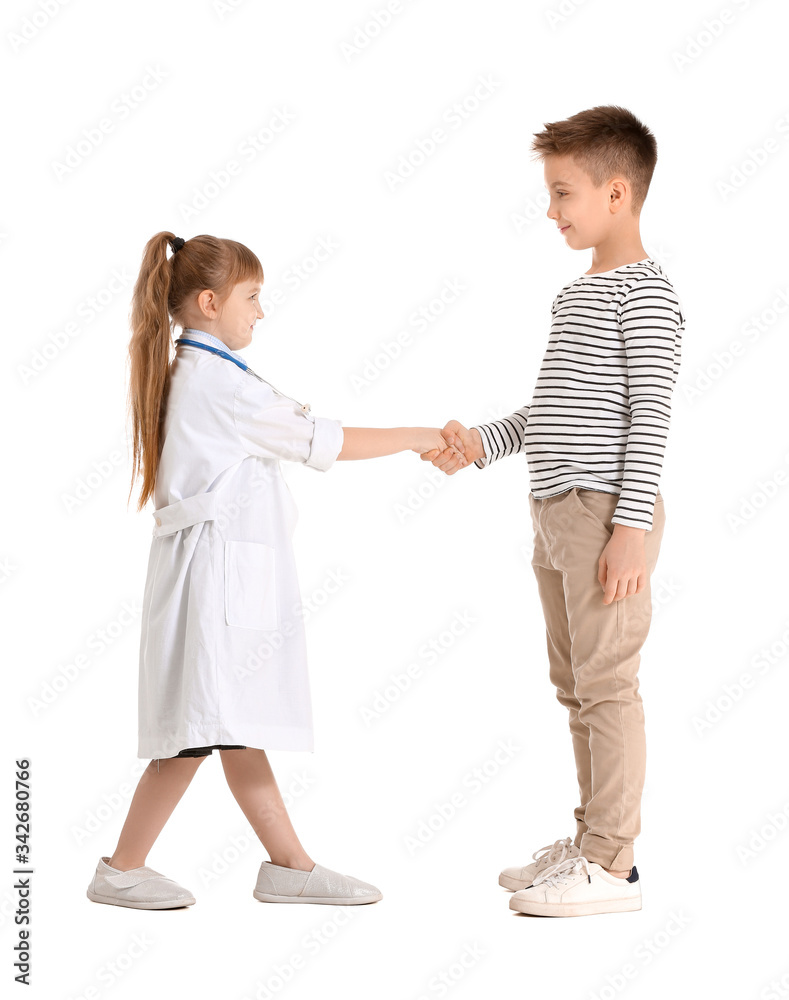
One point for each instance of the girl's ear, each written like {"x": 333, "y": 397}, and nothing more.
{"x": 206, "y": 303}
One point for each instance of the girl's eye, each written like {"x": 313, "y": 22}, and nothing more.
{"x": 560, "y": 193}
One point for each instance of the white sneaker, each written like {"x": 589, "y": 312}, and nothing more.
{"x": 142, "y": 888}
{"x": 576, "y": 887}
{"x": 277, "y": 884}
{"x": 521, "y": 878}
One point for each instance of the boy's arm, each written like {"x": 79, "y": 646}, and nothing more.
{"x": 481, "y": 444}
{"x": 502, "y": 437}
{"x": 652, "y": 322}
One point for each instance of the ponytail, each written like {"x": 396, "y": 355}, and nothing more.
{"x": 149, "y": 361}
{"x": 164, "y": 288}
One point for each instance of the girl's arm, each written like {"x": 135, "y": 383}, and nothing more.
{"x": 372, "y": 442}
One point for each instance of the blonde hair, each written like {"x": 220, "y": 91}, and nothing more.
{"x": 605, "y": 141}
{"x": 163, "y": 288}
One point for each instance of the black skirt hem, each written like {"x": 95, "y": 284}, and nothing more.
{"x": 205, "y": 751}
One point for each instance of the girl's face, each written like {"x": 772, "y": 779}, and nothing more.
{"x": 239, "y": 315}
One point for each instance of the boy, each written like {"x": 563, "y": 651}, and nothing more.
{"x": 594, "y": 436}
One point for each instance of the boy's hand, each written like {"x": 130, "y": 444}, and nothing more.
{"x": 456, "y": 436}
{"x": 622, "y": 568}
{"x": 431, "y": 441}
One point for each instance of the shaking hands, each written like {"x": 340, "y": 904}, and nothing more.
{"x": 461, "y": 447}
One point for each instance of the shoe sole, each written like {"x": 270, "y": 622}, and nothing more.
{"x": 513, "y": 884}
{"x": 537, "y": 909}
{"x": 267, "y": 897}
{"x": 159, "y": 904}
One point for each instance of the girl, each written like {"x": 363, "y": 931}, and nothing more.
{"x": 222, "y": 651}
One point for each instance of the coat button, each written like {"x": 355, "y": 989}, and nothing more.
{"x": 158, "y": 522}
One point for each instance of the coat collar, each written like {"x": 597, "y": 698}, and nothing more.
{"x": 202, "y": 337}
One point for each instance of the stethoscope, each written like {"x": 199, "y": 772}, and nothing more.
{"x": 223, "y": 354}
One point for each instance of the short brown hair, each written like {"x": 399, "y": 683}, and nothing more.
{"x": 605, "y": 141}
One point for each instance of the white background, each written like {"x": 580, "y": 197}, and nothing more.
{"x": 715, "y": 96}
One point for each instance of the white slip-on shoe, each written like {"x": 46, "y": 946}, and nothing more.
{"x": 142, "y": 888}
{"x": 576, "y": 887}
{"x": 276, "y": 884}
{"x": 522, "y": 878}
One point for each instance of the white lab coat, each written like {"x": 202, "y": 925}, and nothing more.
{"x": 222, "y": 648}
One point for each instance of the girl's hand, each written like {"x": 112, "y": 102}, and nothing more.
{"x": 429, "y": 442}
{"x": 468, "y": 441}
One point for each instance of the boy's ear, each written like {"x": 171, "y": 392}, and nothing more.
{"x": 617, "y": 195}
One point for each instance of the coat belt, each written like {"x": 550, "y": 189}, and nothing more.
{"x": 184, "y": 513}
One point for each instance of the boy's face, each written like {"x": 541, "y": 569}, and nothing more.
{"x": 582, "y": 211}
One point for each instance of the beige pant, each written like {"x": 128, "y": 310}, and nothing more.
{"x": 593, "y": 652}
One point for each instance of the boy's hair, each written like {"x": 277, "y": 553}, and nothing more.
{"x": 163, "y": 288}
{"x": 605, "y": 141}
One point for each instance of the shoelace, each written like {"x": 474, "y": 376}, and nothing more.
{"x": 560, "y": 873}
{"x": 558, "y": 847}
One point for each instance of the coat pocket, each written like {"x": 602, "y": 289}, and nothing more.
{"x": 250, "y": 585}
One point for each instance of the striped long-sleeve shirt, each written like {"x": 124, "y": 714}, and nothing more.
{"x": 600, "y": 412}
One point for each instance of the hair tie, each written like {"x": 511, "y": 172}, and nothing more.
{"x": 176, "y": 243}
